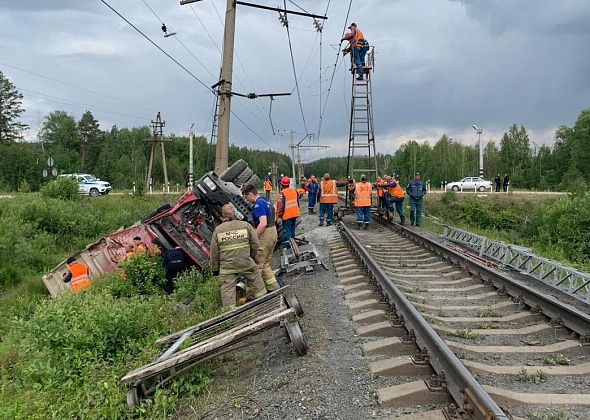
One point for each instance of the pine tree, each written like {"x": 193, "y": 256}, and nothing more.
{"x": 10, "y": 110}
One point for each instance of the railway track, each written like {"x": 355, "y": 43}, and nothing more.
{"x": 444, "y": 332}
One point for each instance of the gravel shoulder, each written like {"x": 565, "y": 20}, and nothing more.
{"x": 268, "y": 380}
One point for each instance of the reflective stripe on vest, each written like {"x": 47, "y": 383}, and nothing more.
{"x": 362, "y": 194}
{"x": 291, "y": 209}
{"x": 397, "y": 191}
{"x": 267, "y": 186}
{"x": 80, "y": 277}
{"x": 329, "y": 192}
{"x": 380, "y": 190}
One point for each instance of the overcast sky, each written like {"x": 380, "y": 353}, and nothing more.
{"x": 441, "y": 66}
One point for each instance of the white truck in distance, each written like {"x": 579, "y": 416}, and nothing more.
{"x": 470, "y": 183}
{"x": 90, "y": 185}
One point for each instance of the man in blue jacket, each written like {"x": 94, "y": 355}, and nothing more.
{"x": 312, "y": 194}
{"x": 416, "y": 191}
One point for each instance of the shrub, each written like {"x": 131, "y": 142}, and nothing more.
{"x": 24, "y": 186}
{"x": 144, "y": 273}
{"x": 63, "y": 188}
{"x": 449, "y": 197}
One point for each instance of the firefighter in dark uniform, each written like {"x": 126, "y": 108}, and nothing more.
{"x": 175, "y": 263}
{"x": 234, "y": 246}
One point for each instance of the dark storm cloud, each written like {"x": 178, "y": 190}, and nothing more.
{"x": 441, "y": 65}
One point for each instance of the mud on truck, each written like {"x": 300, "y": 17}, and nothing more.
{"x": 188, "y": 224}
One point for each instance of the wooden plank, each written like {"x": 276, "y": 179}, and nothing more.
{"x": 222, "y": 317}
{"x": 193, "y": 352}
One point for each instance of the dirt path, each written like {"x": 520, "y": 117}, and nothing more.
{"x": 268, "y": 380}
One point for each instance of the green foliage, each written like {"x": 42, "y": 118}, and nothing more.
{"x": 65, "y": 359}
{"x": 558, "y": 359}
{"x": 467, "y": 334}
{"x": 24, "y": 186}
{"x": 144, "y": 273}
{"x": 10, "y": 111}
{"x": 533, "y": 377}
{"x": 62, "y": 188}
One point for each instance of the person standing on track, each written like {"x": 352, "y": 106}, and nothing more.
{"x": 268, "y": 186}
{"x": 350, "y": 186}
{"x": 328, "y": 196}
{"x": 416, "y": 191}
{"x": 362, "y": 202}
{"x": 288, "y": 210}
{"x": 263, "y": 216}
{"x": 312, "y": 193}
{"x": 396, "y": 197}
{"x": 234, "y": 245}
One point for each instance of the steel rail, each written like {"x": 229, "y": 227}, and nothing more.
{"x": 462, "y": 386}
{"x": 562, "y": 313}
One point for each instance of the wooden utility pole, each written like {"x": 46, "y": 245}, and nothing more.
{"x": 157, "y": 138}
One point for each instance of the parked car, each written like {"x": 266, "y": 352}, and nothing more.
{"x": 90, "y": 185}
{"x": 470, "y": 183}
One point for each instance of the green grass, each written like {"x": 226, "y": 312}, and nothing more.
{"x": 64, "y": 357}
{"x": 558, "y": 359}
{"x": 532, "y": 377}
{"x": 467, "y": 334}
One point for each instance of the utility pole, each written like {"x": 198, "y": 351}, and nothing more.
{"x": 225, "y": 84}
{"x": 274, "y": 172}
{"x": 190, "y": 157}
{"x": 479, "y": 131}
{"x": 157, "y": 137}
{"x": 292, "y": 147}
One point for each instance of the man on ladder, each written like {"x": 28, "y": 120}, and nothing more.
{"x": 359, "y": 46}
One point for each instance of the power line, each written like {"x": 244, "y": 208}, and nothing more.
{"x": 152, "y": 10}
{"x": 156, "y": 45}
{"x": 295, "y": 72}
{"x": 52, "y": 98}
{"x": 333, "y": 72}
{"x": 77, "y": 87}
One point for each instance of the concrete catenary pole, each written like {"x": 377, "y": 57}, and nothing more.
{"x": 221, "y": 150}
{"x": 292, "y": 145}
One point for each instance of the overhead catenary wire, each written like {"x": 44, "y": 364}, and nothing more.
{"x": 333, "y": 73}
{"x": 209, "y": 89}
{"x": 76, "y": 86}
{"x": 156, "y": 45}
{"x": 295, "y": 72}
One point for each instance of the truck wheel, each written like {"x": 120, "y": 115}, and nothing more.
{"x": 254, "y": 180}
{"x": 159, "y": 210}
{"x": 243, "y": 177}
{"x": 233, "y": 171}
{"x": 133, "y": 397}
{"x": 94, "y": 192}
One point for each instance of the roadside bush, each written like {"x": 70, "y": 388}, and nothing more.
{"x": 144, "y": 273}
{"x": 62, "y": 188}
{"x": 24, "y": 187}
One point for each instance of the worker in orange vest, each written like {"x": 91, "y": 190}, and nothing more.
{"x": 362, "y": 201}
{"x": 268, "y": 186}
{"x": 359, "y": 46}
{"x": 381, "y": 186}
{"x": 396, "y": 196}
{"x": 328, "y": 196}
{"x": 288, "y": 210}
{"x": 78, "y": 275}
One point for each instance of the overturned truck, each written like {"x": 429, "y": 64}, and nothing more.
{"x": 188, "y": 224}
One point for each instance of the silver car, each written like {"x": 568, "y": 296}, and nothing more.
{"x": 90, "y": 185}
{"x": 470, "y": 183}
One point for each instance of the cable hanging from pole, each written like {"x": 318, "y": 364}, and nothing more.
{"x": 286, "y": 23}
{"x": 333, "y": 72}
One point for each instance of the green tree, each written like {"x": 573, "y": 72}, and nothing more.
{"x": 91, "y": 137}
{"x": 580, "y": 141}
{"x": 10, "y": 111}
{"x": 515, "y": 152}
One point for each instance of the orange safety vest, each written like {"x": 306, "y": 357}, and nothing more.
{"x": 380, "y": 190}
{"x": 359, "y": 39}
{"x": 329, "y": 192}
{"x": 362, "y": 194}
{"x": 291, "y": 209}
{"x": 396, "y": 191}
{"x": 267, "y": 185}
{"x": 80, "y": 277}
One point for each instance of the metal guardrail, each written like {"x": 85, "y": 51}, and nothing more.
{"x": 565, "y": 279}
{"x": 463, "y": 387}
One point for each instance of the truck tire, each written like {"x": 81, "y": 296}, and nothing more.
{"x": 233, "y": 171}
{"x": 254, "y": 180}
{"x": 243, "y": 177}
{"x": 159, "y": 210}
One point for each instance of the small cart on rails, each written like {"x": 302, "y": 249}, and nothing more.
{"x": 186, "y": 349}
